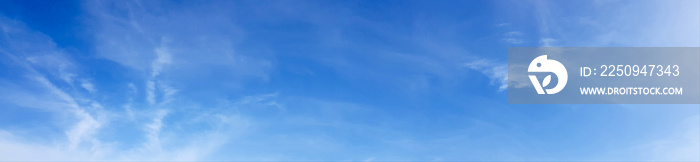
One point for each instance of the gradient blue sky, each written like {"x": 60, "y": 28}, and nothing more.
{"x": 321, "y": 80}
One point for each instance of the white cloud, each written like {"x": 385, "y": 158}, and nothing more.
{"x": 513, "y": 33}
{"x": 513, "y": 40}
{"x": 80, "y": 119}
{"x": 513, "y": 37}
{"x": 547, "y": 25}
{"x": 86, "y": 126}
{"x": 497, "y": 72}
{"x": 266, "y": 100}
{"x": 14, "y": 148}
{"x": 129, "y": 40}
{"x": 518, "y": 81}
{"x": 54, "y": 61}
{"x": 189, "y": 39}
{"x": 547, "y": 42}
{"x": 157, "y": 92}
{"x": 653, "y": 23}
{"x": 681, "y": 143}
{"x": 83, "y": 130}
{"x": 153, "y": 129}
{"x": 502, "y": 24}
{"x": 163, "y": 58}
{"x": 78, "y": 134}
{"x": 88, "y": 86}
{"x": 83, "y": 143}
{"x": 150, "y": 92}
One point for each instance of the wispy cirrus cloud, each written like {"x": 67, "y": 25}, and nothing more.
{"x": 513, "y": 37}
{"x": 513, "y": 41}
{"x": 618, "y": 24}
{"x": 197, "y": 80}
{"x": 47, "y": 67}
{"x": 52, "y": 82}
{"x": 497, "y": 72}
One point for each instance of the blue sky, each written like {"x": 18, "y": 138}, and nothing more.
{"x": 321, "y": 80}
